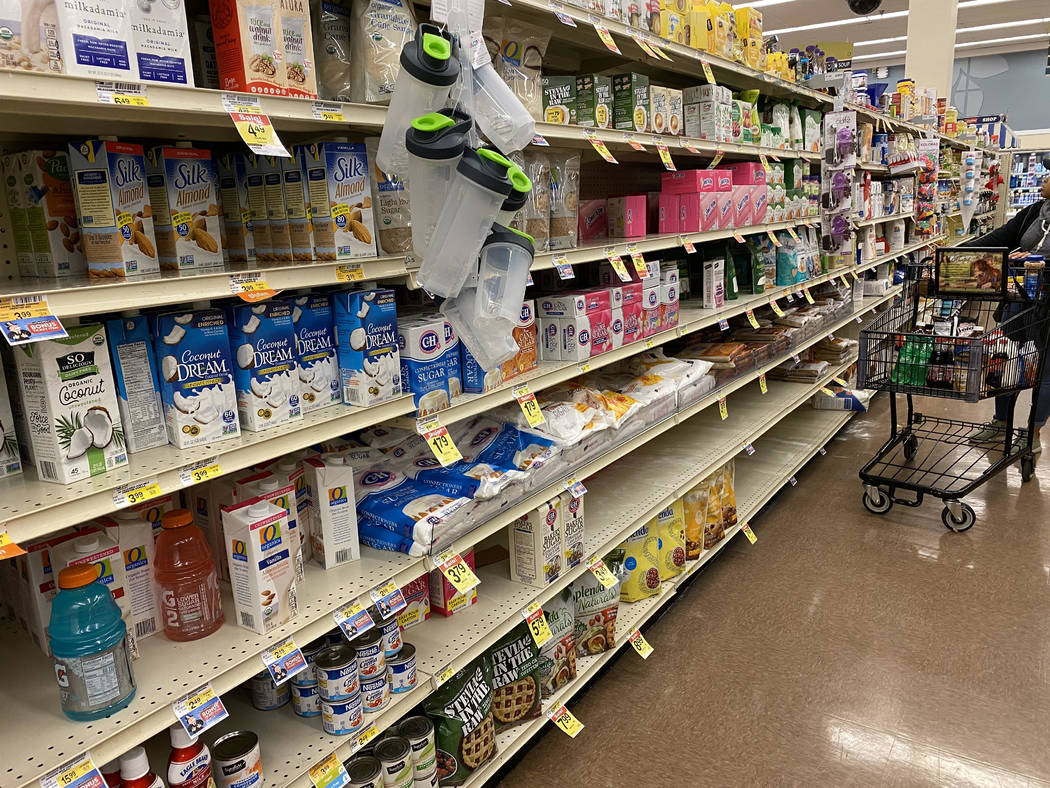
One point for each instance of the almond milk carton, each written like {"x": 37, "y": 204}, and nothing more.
{"x": 184, "y": 195}
{"x": 340, "y": 199}
{"x": 161, "y": 41}
{"x": 16, "y": 209}
{"x": 237, "y": 210}
{"x": 295, "y": 199}
{"x": 116, "y": 218}
{"x": 47, "y": 191}
{"x": 276, "y": 208}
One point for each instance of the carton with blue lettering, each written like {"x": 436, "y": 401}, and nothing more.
{"x": 315, "y": 352}
{"x": 265, "y": 372}
{"x": 340, "y": 199}
{"x": 138, "y": 387}
{"x": 424, "y": 371}
{"x": 452, "y": 361}
{"x": 196, "y": 376}
{"x": 236, "y": 202}
{"x": 477, "y": 380}
{"x": 366, "y": 338}
{"x": 184, "y": 194}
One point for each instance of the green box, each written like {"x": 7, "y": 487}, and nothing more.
{"x": 631, "y": 102}
{"x": 594, "y": 101}
{"x": 559, "y": 100}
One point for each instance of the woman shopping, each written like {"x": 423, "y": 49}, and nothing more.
{"x": 1027, "y": 233}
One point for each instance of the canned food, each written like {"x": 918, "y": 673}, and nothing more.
{"x": 375, "y": 692}
{"x": 402, "y": 669}
{"x": 343, "y": 717}
{"x": 364, "y": 771}
{"x": 371, "y": 659}
{"x": 426, "y": 782}
{"x": 419, "y": 731}
{"x": 336, "y": 669}
{"x": 335, "y": 637}
{"x": 267, "y": 696}
{"x": 391, "y": 631}
{"x": 305, "y": 700}
{"x": 395, "y": 755}
{"x": 305, "y": 678}
{"x": 237, "y": 761}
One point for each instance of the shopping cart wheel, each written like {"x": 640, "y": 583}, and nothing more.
{"x": 1027, "y": 468}
{"x": 876, "y": 501}
{"x": 963, "y": 521}
{"x": 911, "y": 447}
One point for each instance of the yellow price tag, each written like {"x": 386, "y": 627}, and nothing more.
{"x": 599, "y": 146}
{"x": 73, "y": 773}
{"x": 776, "y": 307}
{"x": 687, "y": 244}
{"x": 749, "y": 533}
{"x": 349, "y": 273}
{"x": 585, "y": 367}
{"x": 365, "y": 736}
{"x": 537, "y": 623}
{"x": 719, "y": 153}
{"x": 738, "y": 237}
{"x": 762, "y": 383}
{"x": 764, "y": 161}
{"x": 199, "y": 472}
{"x": 458, "y": 572}
{"x": 439, "y": 441}
{"x": 606, "y": 37}
{"x": 640, "y": 267}
{"x": 723, "y": 408}
{"x": 640, "y": 644}
{"x": 709, "y": 75}
{"x": 644, "y": 46}
{"x": 328, "y": 772}
{"x": 841, "y": 382}
{"x": 650, "y": 344}
{"x": 659, "y": 52}
{"x": 136, "y": 492}
{"x": 565, "y": 720}
{"x": 751, "y": 318}
{"x": 24, "y": 307}
{"x": 617, "y": 264}
{"x": 854, "y": 275}
{"x": 443, "y": 675}
{"x": 247, "y": 283}
{"x": 8, "y": 549}
{"x": 773, "y": 238}
{"x": 327, "y": 110}
{"x": 826, "y": 391}
{"x": 601, "y": 571}
{"x": 807, "y": 294}
{"x": 527, "y": 400}
{"x": 793, "y": 234}
{"x": 665, "y": 157}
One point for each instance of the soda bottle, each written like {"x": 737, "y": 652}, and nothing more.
{"x": 189, "y": 765}
{"x": 134, "y": 770}
{"x": 89, "y": 646}
{"x": 186, "y": 579}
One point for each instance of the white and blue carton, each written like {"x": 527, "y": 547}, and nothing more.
{"x": 138, "y": 385}
{"x": 476, "y": 379}
{"x": 366, "y": 338}
{"x": 196, "y": 376}
{"x": 266, "y": 375}
{"x": 424, "y": 371}
{"x": 315, "y": 352}
{"x": 452, "y": 361}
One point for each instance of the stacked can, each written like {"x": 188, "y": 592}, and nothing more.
{"x": 371, "y": 662}
{"x": 305, "y": 699}
{"x": 339, "y": 687}
{"x": 267, "y": 696}
{"x": 418, "y": 731}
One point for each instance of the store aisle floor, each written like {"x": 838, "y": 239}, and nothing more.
{"x": 841, "y": 649}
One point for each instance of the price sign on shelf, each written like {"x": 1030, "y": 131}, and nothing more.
{"x": 136, "y": 492}
{"x": 527, "y": 400}
{"x": 773, "y": 238}
{"x": 458, "y": 572}
{"x": 565, "y": 720}
{"x": 630, "y": 140}
{"x": 537, "y": 623}
{"x": 639, "y": 261}
{"x": 776, "y": 307}
{"x": 762, "y": 383}
{"x": 77, "y": 773}
{"x": 796, "y": 359}
{"x": 388, "y": 599}
{"x": 575, "y": 487}
{"x": 719, "y": 153}
{"x": 640, "y": 644}
{"x": 764, "y": 162}
{"x": 328, "y": 110}
{"x": 329, "y": 773}
{"x": 601, "y": 571}
{"x": 559, "y": 11}
{"x": 124, "y": 94}
{"x": 644, "y": 46}
{"x": 709, "y": 75}
{"x": 349, "y": 273}
{"x": 738, "y": 237}
{"x": 792, "y": 481}
{"x": 807, "y": 294}
{"x": 606, "y": 37}
{"x": 8, "y": 549}
{"x": 353, "y": 619}
{"x": 723, "y": 324}
{"x": 685, "y": 143}
{"x": 561, "y": 265}
{"x": 599, "y": 146}
{"x": 751, "y": 318}
{"x": 841, "y": 382}
{"x": 443, "y": 675}
{"x": 665, "y": 157}
{"x": 365, "y": 736}
{"x": 749, "y": 533}
{"x": 617, "y": 264}
{"x": 439, "y": 441}
{"x": 251, "y": 286}
{"x": 687, "y": 244}
{"x": 659, "y": 51}
{"x": 723, "y": 408}
{"x": 28, "y": 319}
{"x": 284, "y": 660}
{"x": 199, "y": 710}
{"x": 253, "y": 125}
{"x": 198, "y": 472}
{"x": 749, "y": 448}
{"x": 793, "y": 234}
{"x": 822, "y": 451}
{"x": 540, "y": 141}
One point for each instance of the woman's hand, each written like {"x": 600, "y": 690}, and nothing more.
{"x": 1018, "y": 255}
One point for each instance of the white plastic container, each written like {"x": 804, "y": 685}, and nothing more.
{"x": 517, "y": 198}
{"x": 475, "y": 195}
{"x": 428, "y": 72}
{"x": 500, "y": 115}
{"x": 503, "y": 271}
{"x": 434, "y": 145}
{"x": 489, "y": 340}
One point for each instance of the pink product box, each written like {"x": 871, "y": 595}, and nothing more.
{"x": 597, "y": 299}
{"x": 759, "y": 203}
{"x": 669, "y": 294}
{"x": 668, "y": 316}
{"x": 651, "y": 297}
{"x": 601, "y": 335}
{"x": 689, "y": 213}
{"x": 725, "y": 210}
{"x": 593, "y": 221}
{"x": 616, "y": 329}
{"x": 747, "y": 173}
{"x": 723, "y": 180}
{"x": 631, "y": 293}
{"x": 668, "y": 215}
{"x": 627, "y": 216}
{"x": 650, "y": 321}
{"x": 632, "y": 322}
{"x": 562, "y": 305}
{"x": 742, "y": 214}
{"x": 686, "y": 181}
{"x": 708, "y": 211}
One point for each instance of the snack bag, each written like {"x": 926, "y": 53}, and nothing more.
{"x": 714, "y": 529}
{"x": 594, "y": 628}
{"x": 558, "y": 655}
{"x": 641, "y": 578}
{"x": 729, "y": 494}
{"x": 695, "y": 511}
{"x": 515, "y": 678}
{"x": 461, "y": 710}
{"x": 670, "y": 535}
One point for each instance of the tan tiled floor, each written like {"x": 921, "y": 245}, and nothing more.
{"x": 842, "y": 649}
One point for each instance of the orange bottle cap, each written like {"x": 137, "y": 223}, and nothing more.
{"x": 77, "y": 576}
{"x": 176, "y": 518}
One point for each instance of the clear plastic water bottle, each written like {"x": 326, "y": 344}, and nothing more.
{"x": 186, "y": 579}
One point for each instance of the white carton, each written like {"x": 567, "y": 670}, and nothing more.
{"x": 55, "y": 231}
{"x": 537, "y": 545}
{"x": 16, "y": 210}
{"x": 36, "y": 585}
{"x": 69, "y": 403}
{"x": 288, "y": 469}
{"x": 138, "y": 388}
{"x": 10, "y": 461}
{"x": 315, "y": 352}
{"x": 134, "y": 535}
{"x": 333, "y": 510}
{"x": 562, "y": 305}
{"x": 261, "y": 565}
{"x": 572, "y": 529}
{"x": 616, "y": 329}
{"x": 95, "y": 40}
{"x": 340, "y": 197}
{"x": 262, "y": 341}
{"x": 549, "y": 334}
{"x": 243, "y": 201}
{"x": 575, "y": 333}
{"x": 714, "y": 283}
{"x": 161, "y": 41}
{"x": 265, "y": 486}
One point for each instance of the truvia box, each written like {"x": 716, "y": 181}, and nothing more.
{"x": 114, "y": 209}
{"x": 236, "y": 206}
{"x": 537, "y": 546}
{"x": 69, "y": 403}
{"x": 47, "y": 194}
{"x": 10, "y": 461}
{"x": 559, "y": 99}
{"x": 196, "y": 376}
{"x": 262, "y": 342}
{"x": 340, "y": 199}
{"x": 262, "y": 570}
{"x": 333, "y": 510}
{"x": 138, "y": 386}
{"x": 631, "y": 102}
{"x": 424, "y": 371}
{"x": 184, "y": 195}
{"x": 594, "y": 101}
{"x": 366, "y": 338}
{"x": 315, "y": 352}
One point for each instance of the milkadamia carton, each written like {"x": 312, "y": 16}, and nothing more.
{"x": 237, "y": 209}
{"x": 184, "y": 195}
{"x": 366, "y": 338}
{"x": 196, "y": 376}
{"x": 161, "y": 40}
{"x": 263, "y": 345}
{"x": 95, "y": 40}
{"x": 315, "y": 352}
{"x": 424, "y": 372}
{"x": 138, "y": 387}
{"x": 69, "y": 405}
{"x": 333, "y": 509}
{"x": 340, "y": 199}
{"x": 116, "y": 218}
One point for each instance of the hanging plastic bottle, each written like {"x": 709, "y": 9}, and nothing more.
{"x": 135, "y": 771}
{"x": 89, "y": 646}
{"x": 189, "y": 765}
{"x": 186, "y": 579}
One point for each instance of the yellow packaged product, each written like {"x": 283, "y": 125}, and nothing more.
{"x": 748, "y": 23}
{"x": 694, "y": 508}
{"x": 641, "y": 577}
{"x": 669, "y": 527}
{"x": 734, "y": 46}
{"x": 714, "y": 528}
{"x": 721, "y": 27}
{"x": 701, "y": 29}
{"x": 729, "y": 494}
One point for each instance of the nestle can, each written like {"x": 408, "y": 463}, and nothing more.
{"x": 304, "y": 678}
{"x": 391, "y": 631}
{"x": 402, "y": 669}
{"x": 237, "y": 761}
{"x": 335, "y": 637}
{"x": 305, "y": 700}
{"x": 267, "y": 696}
{"x": 343, "y": 717}
{"x": 364, "y": 771}
{"x": 336, "y": 669}
{"x": 395, "y": 755}
{"x": 419, "y": 731}
{"x": 371, "y": 660}
{"x": 375, "y": 692}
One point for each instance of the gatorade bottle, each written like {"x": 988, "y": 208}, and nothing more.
{"x": 134, "y": 770}
{"x": 89, "y": 646}
{"x": 186, "y": 579}
{"x": 189, "y": 765}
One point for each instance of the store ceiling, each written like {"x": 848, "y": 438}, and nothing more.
{"x": 891, "y": 22}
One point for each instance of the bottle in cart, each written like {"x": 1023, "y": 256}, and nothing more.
{"x": 941, "y": 371}
{"x": 186, "y": 579}
{"x": 135, "y": 771}
{"x": 189, "y": 765}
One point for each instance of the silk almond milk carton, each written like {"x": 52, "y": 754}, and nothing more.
{"x": 276, "y": 208}
{"x": 183, "y": 192}
{"x": 340, "y": 200}
{"x": 237, "y": 213}
{"x": 113, "y": 204}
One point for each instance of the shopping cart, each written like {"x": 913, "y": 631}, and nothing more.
{"x": 933, "y": 344}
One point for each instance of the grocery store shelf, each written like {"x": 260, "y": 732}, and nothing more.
{"x": 986, "y": 215}
{"x": 870, "y": 166}
{"x": 881, "y": 219}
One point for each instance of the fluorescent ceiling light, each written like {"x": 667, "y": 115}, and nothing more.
{"x": 1001, "y": 40}
{"x": 972, "y": 3}
{"x": 875, "y": 41}
{"x": 1000, "y": 25}
{"x": 853, "y": 20}
{"x": 762, "y": 3}
{"x": 880, "y": 54}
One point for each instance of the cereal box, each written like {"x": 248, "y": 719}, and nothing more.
{"x": 366, "y": 338}
{"x": 184, "y": 196}
{"x": 524, "y": 333}
{"x": 340, "y": 199}
{"x": 263, "y": 345}
{"x": 236, "y": 200}
{"x": 248, "y": 46}
{"x": 113, "y": 205}
{"x": 46, "y": 192}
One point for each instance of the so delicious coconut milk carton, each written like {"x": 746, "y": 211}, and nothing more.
{"x": 69, "y": 404}
{"x": 196, "y": 376}
{"x": 263, "y": 343}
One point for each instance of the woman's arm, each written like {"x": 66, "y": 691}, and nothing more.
{"x": 1009, "y": 235}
